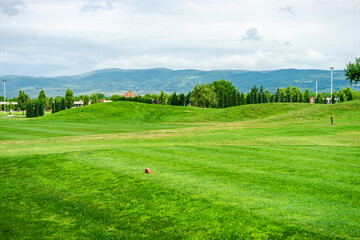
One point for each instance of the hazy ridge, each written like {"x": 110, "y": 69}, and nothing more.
{"x": 142, "y": 81}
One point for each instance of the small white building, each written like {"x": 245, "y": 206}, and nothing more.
{"x": 15, "y": 104}
{"x": 78, "y": 104}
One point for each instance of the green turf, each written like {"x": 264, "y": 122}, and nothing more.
{"x": 271, "y": 171}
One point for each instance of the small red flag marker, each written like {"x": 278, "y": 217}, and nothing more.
{"x": 147, "y": 170}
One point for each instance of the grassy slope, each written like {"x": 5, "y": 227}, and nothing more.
{"x": 281, "y": 172}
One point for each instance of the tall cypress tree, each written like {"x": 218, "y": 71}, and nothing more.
{"x": 282, "y": 96}
{"x": 242, "y": 99}
{"x": 62, "y": 104}
{"x": 278, "y": 95}
{"x": 233, "y": 98}
{"x": 238, "y": 103}
{"x": 261, "y": 98}
{"x": 174, "y": 100}
{"x": 288, "y": 97}
{"x": 37, "y": 105}
{"x": 254, "y": 96}
{"x": 307, "y": 96}
{"x": 248, "y": 98}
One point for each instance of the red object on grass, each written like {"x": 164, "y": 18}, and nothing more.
{"x": 147, "y": 170}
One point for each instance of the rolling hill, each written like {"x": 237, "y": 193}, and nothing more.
{"x": 133, "y": 112}
{"x": 119, "y": 81}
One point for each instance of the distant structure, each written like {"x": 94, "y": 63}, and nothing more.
{"x": 312, "y": 99}
{"x": 129, "y": 94}
{"x": 79, "y": 103}
{"x": 104, "y": 100}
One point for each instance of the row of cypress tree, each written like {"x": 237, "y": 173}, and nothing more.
{"x": 35, "y": 109}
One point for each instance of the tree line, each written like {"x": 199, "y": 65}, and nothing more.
{"x": 218, "y": 94}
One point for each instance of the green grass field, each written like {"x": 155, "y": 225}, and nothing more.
{"x": 266, "y": 171}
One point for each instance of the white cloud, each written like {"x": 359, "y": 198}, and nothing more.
{"x": 73, "y": 36}
{"x": 288, "y": 9}
{"x": 11, "y": 7}
{"x": 252, "y": 34}
{"x": 94, "y": 5}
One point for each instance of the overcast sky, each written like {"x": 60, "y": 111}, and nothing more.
{"x": 51, "y": 38}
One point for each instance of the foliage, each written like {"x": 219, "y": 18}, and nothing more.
{"x": 69, "y": 99}
{"x": 23, "y": 99}
{"x": 288, "y": 96}
{"x": 182, "y": 99}
{"x": 352, "y": 71}
{"x": 35, "y": 108}
{"x": 30, "y": 109}
{"x": 224, "y": 93}
{"x": 137, "y": 98}
{"x": 62, "y": 104}
{"x": 203, "y": 95}
{"x": 50, "y": 103}
{"x": 86, "y": 100}
{"x": 100, "y": 96}
{"x": 319, "y": 98}
{"x": 162, "y": 98}
{"x": 307, "y": 96}
{"x": 42, "y": 97}
{"x": 174, "y": 99}
{"x": 94, "y": 98}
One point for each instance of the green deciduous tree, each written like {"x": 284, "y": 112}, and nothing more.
{"x": 23, "y": 99}
{"x": 319, "y": 98}
{"x": 50, "y": 103}
{"x": 41, "y": 102}
{"x": 352, "y": 71}
{"x": 69, "y": 99}
{"x": 94, "y": 98}
{"x": 86, "y": 100}
{"x": 203, "y": 96}
{"x": 162, "y": 98}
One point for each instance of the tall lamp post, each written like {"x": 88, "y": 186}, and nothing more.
{"x": 331, "y": 68}
{"x": 4, "y": 80}
{"x": 316, "y": 87}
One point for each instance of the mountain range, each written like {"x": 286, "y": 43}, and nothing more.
{"x": 142, "y": 81}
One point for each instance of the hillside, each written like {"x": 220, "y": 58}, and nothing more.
{"x": 133, "y": 112}
{"x": 118, "y": 81}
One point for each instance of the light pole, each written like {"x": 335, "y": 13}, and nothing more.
{"x": 331, "y": 68}
{"x": 4, "y": 80}
{"x": 316, "y": 87}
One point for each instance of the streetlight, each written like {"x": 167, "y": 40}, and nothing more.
{"x": 316, "y": 87}
{"x": 4, "y": 80}
{"x": 331, "y": 68}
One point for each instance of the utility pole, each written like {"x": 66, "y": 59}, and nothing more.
{"x": 4, "y": 80}
{"x": 331, "y": 68}
{"x": 316, "y": 87}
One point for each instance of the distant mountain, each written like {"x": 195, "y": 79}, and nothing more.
{"x": 119, "y": 81}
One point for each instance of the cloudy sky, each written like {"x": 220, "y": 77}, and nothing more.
{"x": 51, "y": 38}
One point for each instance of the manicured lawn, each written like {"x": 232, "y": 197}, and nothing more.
{"x": 273, "y": 171}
